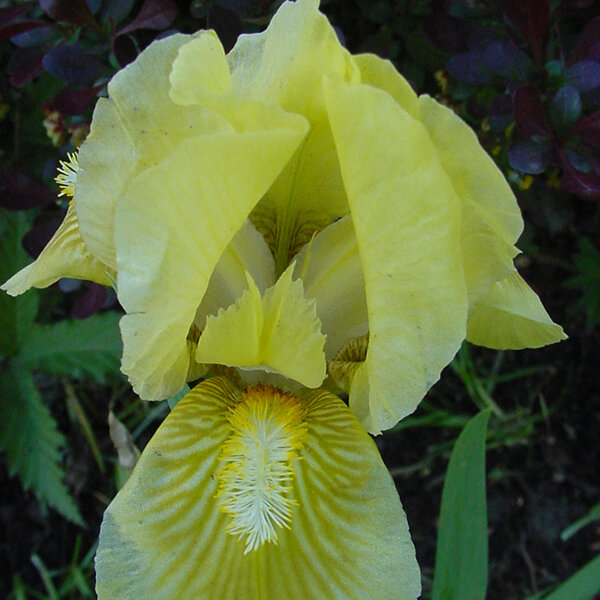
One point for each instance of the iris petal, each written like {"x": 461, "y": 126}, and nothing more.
{"x": 164, "y": 535}
{"x": 331, "y": 271}
{"x": 279, "y": 332}
{"x": 491, "y": 219}
{"x": 511, "y": 316}
{"x": 170, "y": 233}
{"x": 65, "y": 255}
{"x": 407, "y": 222}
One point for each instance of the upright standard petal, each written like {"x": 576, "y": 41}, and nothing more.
{"x": 330, "y": 268}
{"x": 247, "y": 254}
{"x": 407, "y": 222}
{"x": 132, "y": 130}
{"x": 279, "y": 333}
{"x": 287, "y": 62}
{"x": 491, "y": 219}
{"x": 510, "y": 316}
{"x": 257, "y": 495}
{"x": 173, "y": 223}
{"x": 65, "y": 255}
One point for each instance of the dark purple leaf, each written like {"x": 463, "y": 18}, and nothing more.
{"x": 91, "y": 301}
{"x": 36, "y": 239}
{"x": 9, "y": 14}
{"x": 505, "y": 59}
{"x": 154, "y": 14}
{"x": 19, "y": 27}
{"x": 35, "y": 37}
{"x": 588, "y": 38}
{"x": 576, "y": 182}
{"x": 75, "y": 102}
{"x": 530, "y": 118}
{"x": 115, "y": 10}
{"x": 565, "y": 109}
{"x": 531, "y": 18}
{"x": 588, "y": 129}
{"x": 94, "y": 5}
{"x": 72, "y": 64}
{"x": 125, "y": 49}
{"x": 67, "y": 285}
{"x": 69, "y": 11}
{"x": 501, "y": 112}
{"x": 24, "y": 65}
{"x": 243, "y": 8}
{"x": 469, "y": 67}
{"x": 583, "y": 75}
{"x": 447, "y": 33}
{"x": 481, "y": 37}
{"x": 530, "y": 157}
{"x": 227, "y": 25}
{"x": 20, "y": 192}
{"x": 578, "y": 161}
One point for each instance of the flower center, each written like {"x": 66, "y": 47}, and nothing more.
{"x": 67, "y": 175}
{"x": 257, "y": 471}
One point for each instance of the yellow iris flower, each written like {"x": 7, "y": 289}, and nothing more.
{"x": 295, "y": 210}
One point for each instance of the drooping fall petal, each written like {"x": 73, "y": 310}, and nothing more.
{"x": 415, "y": 290}
{"x": 510, "y": 316}
{"x": 331, "y": 525}
{"x": 491, "y": 219}
{"x": 66, "y": 255}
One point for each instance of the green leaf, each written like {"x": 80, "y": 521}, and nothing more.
{"x": 461, "y": 559}
{"x": 16, "y": 314}
{"x": 588, "y": 281}
{"x": 173, "y": 400}
{"x": 89, "y": 348}
{"x": 32, "y": 442}
{"x": 571, "y": 530}
{"x": 583, "y": 585}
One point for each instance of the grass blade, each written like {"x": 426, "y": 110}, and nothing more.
{"x": 462, "y": 547}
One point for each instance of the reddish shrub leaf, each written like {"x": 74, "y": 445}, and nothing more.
{"x": 531, "y": 18}
{"x": 530, "y": 118}
{"x": 69, "y": 11}
{"x": 154, "y": 14}
{"x": 13, "y": 29}
{"x": 39, "y": 36}
{"x": 565, "y": 109}
{"x": 75, "y": 102}
{"x": 20, "y": 192}
{"x": 588, "y": 38}
{"x": 90, "y": 302}
{"x": 583, "y": 75}
{"x": 576, "y": 182}
{"x": 72, "y": 64}
{"x": 8, "y": 14}
{"x": 530, "y": 157}
{"x": 469, "y": 67}
{"x": 36, "y": 239}
{"x": 588, "y": 129}
{"x": 24, "y": 65}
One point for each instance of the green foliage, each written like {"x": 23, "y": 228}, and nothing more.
{"x": 32, "y": 442}
{"x": 16, "y": 314}
{"x": 89, "y": 348}
{"x": 583, "y": 585}
{"x": 592, "y": 515}
{"x": 461, "y": 560}
{"x": 588, "y": 281}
